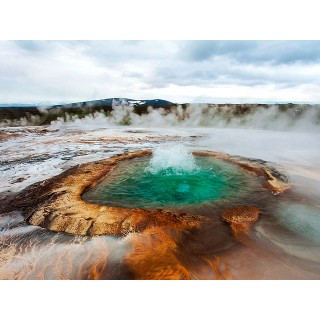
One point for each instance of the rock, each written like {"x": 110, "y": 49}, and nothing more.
{"x": 241, "y": 214}
{"x": 240, "y": 220}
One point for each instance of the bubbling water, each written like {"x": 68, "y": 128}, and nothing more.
{"x": 172, "y": 159}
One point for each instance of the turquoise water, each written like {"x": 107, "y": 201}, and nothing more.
{"x": 134, "y": 184}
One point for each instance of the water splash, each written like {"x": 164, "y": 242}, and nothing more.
{"x": 171, "y": 159}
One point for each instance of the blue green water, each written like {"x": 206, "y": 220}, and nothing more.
{"x": 134, "y": 185}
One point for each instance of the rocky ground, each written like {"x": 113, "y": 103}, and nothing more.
{"x": 176, "y": 248}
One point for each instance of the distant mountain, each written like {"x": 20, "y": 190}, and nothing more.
{"x": 109, "y": 102}
{"x": 40, "y": 114}
{"x": 115, "y": 101}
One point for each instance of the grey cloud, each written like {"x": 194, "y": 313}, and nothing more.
{"x": 31, "y": 45}
{"x": 80, "y": 70}
{"x": 105, "y": 52}
{"x": 225, "y": 71}
{"x": 273, "y": 52}
{"x": 202, "y": 50}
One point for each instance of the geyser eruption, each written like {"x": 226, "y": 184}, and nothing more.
{"x": 172, "y": 178}
{"x": 172, "y": 159}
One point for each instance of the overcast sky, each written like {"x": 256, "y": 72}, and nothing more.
{"x": 179, "y": 71}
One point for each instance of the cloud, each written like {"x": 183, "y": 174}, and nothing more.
{"x": 267, "y": 52}
{"x": 180, "y": 71}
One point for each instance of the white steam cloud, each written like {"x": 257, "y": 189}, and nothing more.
{"x": 201, "y": 115}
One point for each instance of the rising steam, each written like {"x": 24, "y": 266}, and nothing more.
{"x": 273, "y": 117}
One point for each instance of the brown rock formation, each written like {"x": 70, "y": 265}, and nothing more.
{"x": 241, "y": 214}
{"x": 4, "y": 136}
{"x": 240, "y": 219}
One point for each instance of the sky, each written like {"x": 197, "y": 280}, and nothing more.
{"x": 47, "y": 72}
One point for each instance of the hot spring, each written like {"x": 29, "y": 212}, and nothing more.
{"x": 173, "y": 178}
{"x": 172, "y": 212}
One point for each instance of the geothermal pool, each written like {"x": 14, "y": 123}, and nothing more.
{"x": 283, "y": 243}
{"x": 172, "y": 178}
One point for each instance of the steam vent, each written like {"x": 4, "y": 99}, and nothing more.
{"x": 136, "y": 191}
